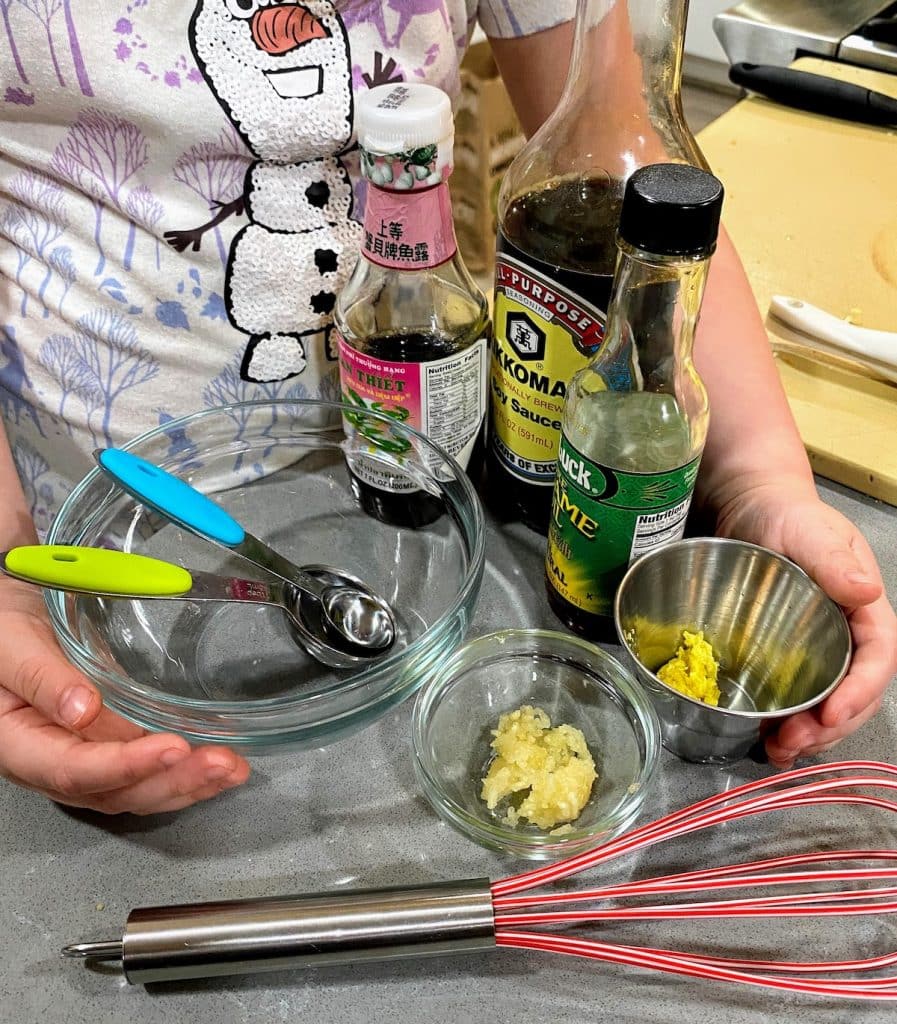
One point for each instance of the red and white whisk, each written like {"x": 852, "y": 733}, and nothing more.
{"x": 245, "y": 936}
{"x": 517, "y": 916}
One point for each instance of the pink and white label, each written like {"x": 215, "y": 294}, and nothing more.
{"x": 444, "y": 399}
{"x": 409, "y": 230}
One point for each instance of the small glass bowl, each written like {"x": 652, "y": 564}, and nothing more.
{"x": 232, "y": 673}
{"x": 577, "y": 684}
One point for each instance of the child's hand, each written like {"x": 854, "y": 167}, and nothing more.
{"x": 833, "y": 551}
{"x": 58, "y": 739}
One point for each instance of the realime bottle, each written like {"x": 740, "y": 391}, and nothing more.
{"x": 558, "y": 213}
{"x": 412, "y": 326}
{"x": 636, "y": 417}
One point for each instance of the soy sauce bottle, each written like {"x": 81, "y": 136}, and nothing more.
{"x": 412, "y": 326}
{"x": 558, "y": 212}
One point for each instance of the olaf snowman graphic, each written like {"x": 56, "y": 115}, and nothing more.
{"x": 282, "y": 73}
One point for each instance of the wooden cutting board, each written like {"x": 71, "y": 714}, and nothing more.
{"x": 811, "y": 204}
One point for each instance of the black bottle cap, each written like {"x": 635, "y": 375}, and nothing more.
{"x": 671, "y": 210}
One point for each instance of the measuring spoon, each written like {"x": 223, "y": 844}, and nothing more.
{"x": 341, "y": 621}
{"x": 105, "y": 573}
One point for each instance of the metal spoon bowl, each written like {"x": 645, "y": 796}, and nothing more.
{"x": 363, "y": 621}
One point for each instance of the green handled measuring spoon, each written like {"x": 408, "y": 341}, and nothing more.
{"x": 96, "y": 571}
{"x": 105, "y": 573}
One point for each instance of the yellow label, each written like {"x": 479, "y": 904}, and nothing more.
{"x": 543, "y": 335}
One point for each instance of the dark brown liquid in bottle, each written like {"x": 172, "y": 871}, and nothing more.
{"x": 586, "y": 624}
{"x": 416, "y": 508}
{"x": 567, "y": 234}
{"x": 569, "y": 226}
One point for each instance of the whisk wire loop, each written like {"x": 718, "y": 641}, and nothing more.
{"x": 672, "y": 962}
{"x": 833, "y": 784}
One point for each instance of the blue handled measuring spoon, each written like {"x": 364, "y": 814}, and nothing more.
{"x": 340, "y": 620}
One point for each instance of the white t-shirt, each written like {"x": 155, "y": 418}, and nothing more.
{"x": 175, "y": 213}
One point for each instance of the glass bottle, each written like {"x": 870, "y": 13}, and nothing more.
{"x": 636, "y": 416}
{"x": 411, "y": 325}
{"x": 558, "y": 213}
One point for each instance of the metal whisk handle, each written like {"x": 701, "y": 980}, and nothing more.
{"x": 203, "y": 940}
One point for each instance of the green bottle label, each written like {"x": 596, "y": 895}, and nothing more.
{"x": 603, "y": 519}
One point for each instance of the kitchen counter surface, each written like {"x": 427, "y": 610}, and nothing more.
{"x": 352, "y": 816}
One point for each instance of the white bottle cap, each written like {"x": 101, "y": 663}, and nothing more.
{"x": 394, "y": 118}
{"x": 405, "y": 120}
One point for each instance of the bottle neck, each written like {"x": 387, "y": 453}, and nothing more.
{"x": 627, "y": 62}
{"x": 409, "y": 230}
{"x": 653, "y": 316}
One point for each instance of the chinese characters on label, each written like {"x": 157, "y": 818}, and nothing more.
{"x": 387, "y": 243}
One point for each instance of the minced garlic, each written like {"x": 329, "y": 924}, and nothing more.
{"x": 694, "y": 669}
{"x": 551, "y": 768}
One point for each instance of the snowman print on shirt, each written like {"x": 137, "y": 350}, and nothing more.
{"x": 282, "y": 73}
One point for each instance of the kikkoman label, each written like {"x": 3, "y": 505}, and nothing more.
{"x": 543, "y": 335}
{"x": 603, "y": 519}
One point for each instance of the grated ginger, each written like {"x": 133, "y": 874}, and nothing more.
{"x": 552, "y": 769}
{"x": 694, "y": 669}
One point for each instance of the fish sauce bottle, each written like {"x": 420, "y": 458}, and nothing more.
{"x": 412, "y": 326}
{"x": 636, "y": 416}
{"x": 558, "y": 212}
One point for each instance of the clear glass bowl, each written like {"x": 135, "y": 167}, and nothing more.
{"x": 231, "y": 673}
{"x": 577, "y": 684}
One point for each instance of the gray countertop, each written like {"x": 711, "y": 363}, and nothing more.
{"x": 351, "y": 815}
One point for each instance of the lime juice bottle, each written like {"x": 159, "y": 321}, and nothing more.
{"x": 636, "y": 418}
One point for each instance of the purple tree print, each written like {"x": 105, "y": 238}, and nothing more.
{"x": 101, "y": 153}
{"x": 75, "y": 47}
{"x": 40, "y": 493}
{"x": 44, "y": 509}
{"x": 107, "y": 345}
{"x": 181, "y": 450}
{"x": 371, "y": 12}
{"x": 297, "y": 392}
{"x": 143, "y": 209}
{"x": 30, "y": 466}
{"x": 61, "y": 262}
{"x": 14, "y": 380}
{"x": 409, "y": 11}
{"x": 272, "y": 390}
{"x": 88, "y": 391}
{"x": 329, "y": 389}
{"x": 229, "y": 388}
{"x": 45, "y": 11}
{"x": 33, "y": 223}
{"x": 367, "y": 12}
{"x": 62, "y": 359}
{"x": 11, "y": 226}
{"x": 215, "y": 171}
{"x": 4, "y": 13}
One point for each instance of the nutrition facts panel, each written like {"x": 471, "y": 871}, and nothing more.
{"x": 454, "y": 400}
{"x": 658, "y": 528}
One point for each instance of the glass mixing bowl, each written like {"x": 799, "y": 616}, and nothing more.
{"x": 231, "y": 673}
{"x": 577, "y": 684}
